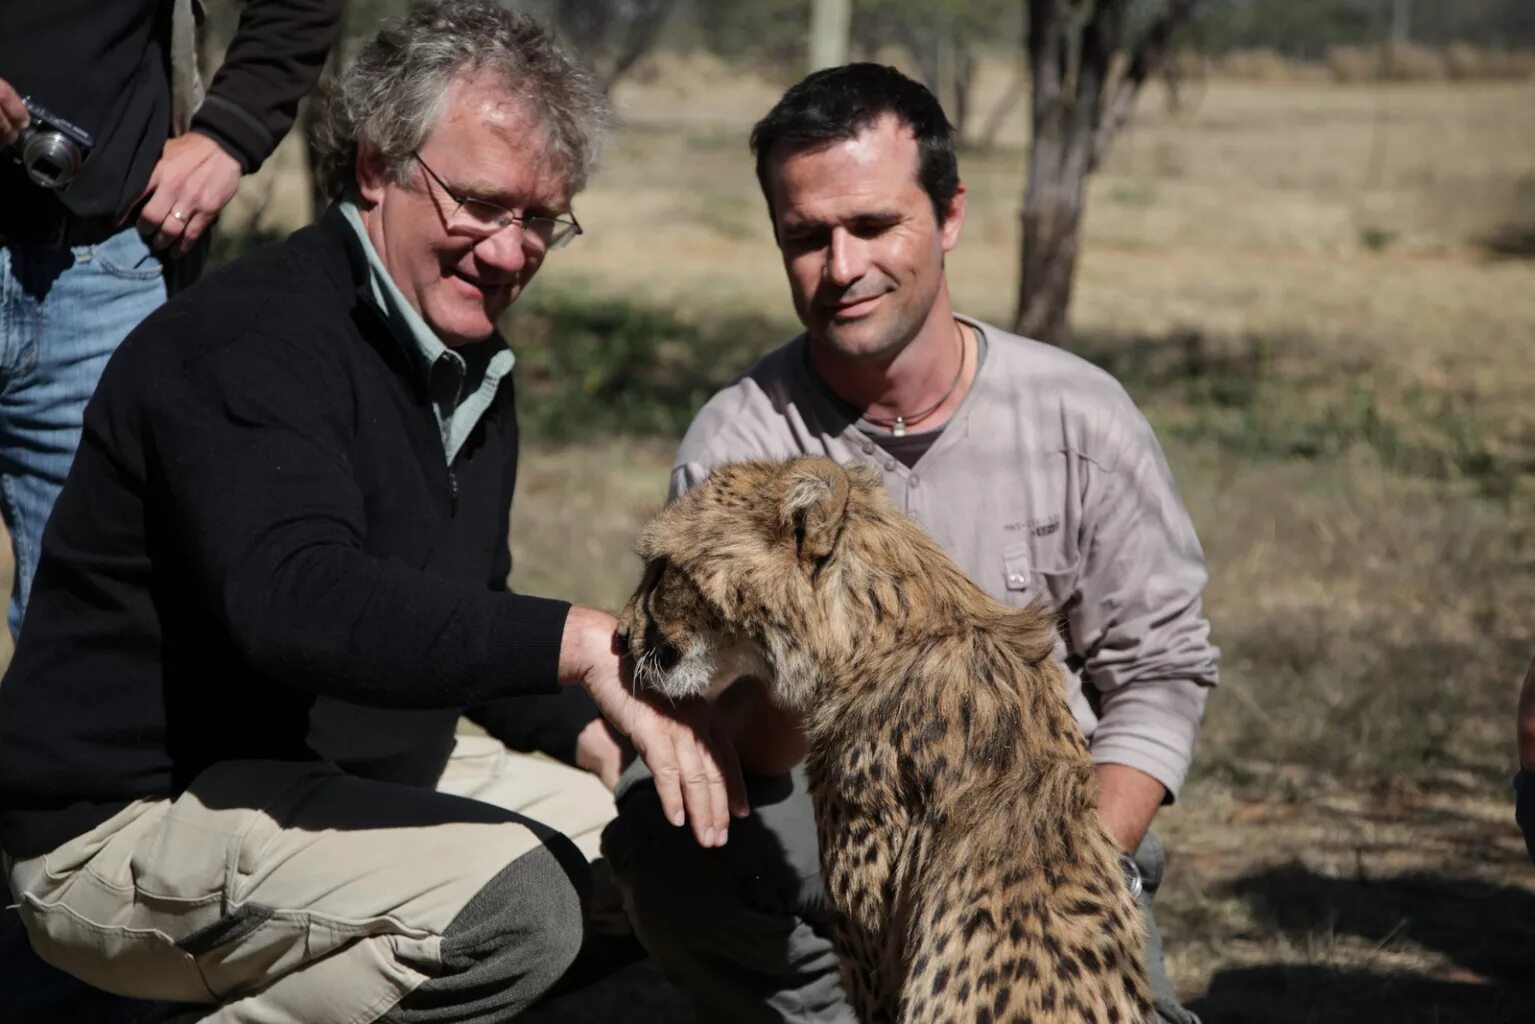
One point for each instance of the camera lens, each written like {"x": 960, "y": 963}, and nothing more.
{"x": 51, "y": 159}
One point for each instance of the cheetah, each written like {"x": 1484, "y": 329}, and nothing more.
{"x": 955, "y": 801}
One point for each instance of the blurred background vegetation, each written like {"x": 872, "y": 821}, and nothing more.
{"x": 1310, "y": 256}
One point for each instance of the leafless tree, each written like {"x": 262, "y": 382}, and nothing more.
{"x": 1080, "y": 100}
{"x": 608, "y": 35}
{"x": 830, "y": 21}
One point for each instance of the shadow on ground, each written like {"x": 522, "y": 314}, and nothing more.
{"x": 637, "y": 994}
{"x": 1486, "y": 931}
{"x": 1511, "y": 242}
{"x": 1281, "y": 994}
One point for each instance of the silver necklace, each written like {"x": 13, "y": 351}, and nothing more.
{"x": 897, "y": 424}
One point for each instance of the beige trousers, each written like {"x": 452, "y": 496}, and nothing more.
{"x": 290, "y": 893}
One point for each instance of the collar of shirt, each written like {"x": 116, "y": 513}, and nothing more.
{"x": 446, "y": 373}
{"x": 864, "y": 436}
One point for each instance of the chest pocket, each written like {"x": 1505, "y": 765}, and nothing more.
{"x": 1038, "y": 572}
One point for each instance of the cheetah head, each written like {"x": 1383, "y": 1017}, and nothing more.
{"x": 739, "y": 579}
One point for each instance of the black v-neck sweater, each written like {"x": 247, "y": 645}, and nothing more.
{"x": 262, "y": 553}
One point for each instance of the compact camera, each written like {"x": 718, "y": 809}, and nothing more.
{"x": 50, "y": 148}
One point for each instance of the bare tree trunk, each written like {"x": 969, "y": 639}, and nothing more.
{"x": 638, "y": 38}
{"x": 1052, "y": 206}
{"x": 1076, "y": 111}
{"x": 830, "y": 22}
{"x": 610, "y": 37}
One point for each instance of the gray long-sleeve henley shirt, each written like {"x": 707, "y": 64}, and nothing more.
{"x": 1046, "y": 484}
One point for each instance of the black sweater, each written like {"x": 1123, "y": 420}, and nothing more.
{"x": 261, "y": 553}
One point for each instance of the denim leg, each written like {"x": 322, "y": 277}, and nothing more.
{"x": 62, "y": 314}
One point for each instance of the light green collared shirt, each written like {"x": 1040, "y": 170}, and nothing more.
{"x": 448, "y": 373}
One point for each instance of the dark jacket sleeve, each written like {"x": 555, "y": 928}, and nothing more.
{"x": 255, "y": 442}
{"x": 273, "y": 61}
{"x": 548, "y": 725}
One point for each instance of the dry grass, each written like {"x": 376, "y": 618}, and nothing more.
{"x": 1356, "y": 64}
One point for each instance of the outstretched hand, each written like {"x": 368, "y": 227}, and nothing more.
{"x": 697, "y": 775}
{"x": 193, "y": 180}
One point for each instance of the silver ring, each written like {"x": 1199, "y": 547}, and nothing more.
{"x": 179, "y": 215}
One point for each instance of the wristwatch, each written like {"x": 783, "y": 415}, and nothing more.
{"x": 1132, "y": 872}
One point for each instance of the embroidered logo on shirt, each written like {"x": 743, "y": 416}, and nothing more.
{"x": 1042, "y": 527}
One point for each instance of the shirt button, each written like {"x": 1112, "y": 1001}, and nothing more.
{"x": 1015, "y": 579}
{"x": 889, "y": 465}
{"x": 868, "y": 447}
{"x": 914, "y": 480}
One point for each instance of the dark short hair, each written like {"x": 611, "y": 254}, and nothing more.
{"x": 839, "y": 104}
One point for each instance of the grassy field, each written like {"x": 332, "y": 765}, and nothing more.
{"x": 1324, "y": 298}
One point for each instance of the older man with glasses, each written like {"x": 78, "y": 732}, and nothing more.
{"x": 229, "y": 774}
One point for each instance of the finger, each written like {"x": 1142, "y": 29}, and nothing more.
{"x": 662, "y": 761}
{"x": 157, "y": 206}
{"x": 14, "y": 115}
{"x": 168, "y": 235}
{"x": 196, "y": 225}
{"x": 730, "y": 767}
{"x": 703, "y": 793}
{"x": 172, "y": 227}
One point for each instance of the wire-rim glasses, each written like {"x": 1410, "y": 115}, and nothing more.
{"x": 481, "y": 218}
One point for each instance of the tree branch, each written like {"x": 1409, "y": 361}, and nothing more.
{"x": 644, "y": 25}
{"x": 1101, "y": 39}
{"x": 1047, "y": 43}
{"x": 1147, "y": 58}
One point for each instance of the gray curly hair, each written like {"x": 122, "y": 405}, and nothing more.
{"x": 392, "y": 94}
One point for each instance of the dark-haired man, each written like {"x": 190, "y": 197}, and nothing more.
{"x": 1031, "y": 467}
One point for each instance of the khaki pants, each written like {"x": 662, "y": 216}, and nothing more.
{"x": 287, "y": 893}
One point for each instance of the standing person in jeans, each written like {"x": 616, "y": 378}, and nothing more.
{"x": 277, "y": 576}
{"x": 1032, "y": 468}
{"x": 82, "y": 264}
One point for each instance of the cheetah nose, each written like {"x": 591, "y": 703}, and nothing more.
{"x": 667, "y": 657}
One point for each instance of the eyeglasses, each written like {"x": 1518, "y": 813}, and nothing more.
{"x": 481, "y": 219}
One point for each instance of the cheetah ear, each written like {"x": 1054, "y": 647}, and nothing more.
{"x": 814, "y": 505}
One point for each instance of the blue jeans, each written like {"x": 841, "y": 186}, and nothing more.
{"x": 63, "y": 311}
